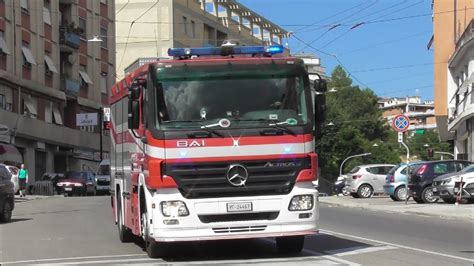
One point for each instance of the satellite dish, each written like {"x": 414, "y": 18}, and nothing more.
{"x": 71, "y": 59}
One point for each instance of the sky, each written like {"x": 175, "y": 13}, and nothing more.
{"x": 388, "y": 53}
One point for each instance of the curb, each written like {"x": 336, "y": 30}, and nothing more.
{"x": 366, "y": 206}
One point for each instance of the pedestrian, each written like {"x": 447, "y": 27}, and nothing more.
{"x": 23, "y": 180}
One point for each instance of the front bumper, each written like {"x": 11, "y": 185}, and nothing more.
{"x": 194, "y": 227}
{"x": 444, "y": 191}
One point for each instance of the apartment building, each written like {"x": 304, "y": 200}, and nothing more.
{"x": 49, "y": 73}
{"x": 147, "y": 28}
{"x": 420, "y": 113}
{"x": 453, "y": 44}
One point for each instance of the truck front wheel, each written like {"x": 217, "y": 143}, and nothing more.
{"x": 290, "y": 244}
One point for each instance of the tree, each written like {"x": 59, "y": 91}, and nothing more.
{"x": 419, "y": 144}
{"x": 358, "y": 124}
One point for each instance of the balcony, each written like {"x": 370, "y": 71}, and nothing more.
{"x": 70, "y": 87}
{"x": 69, "y": 40}
{"x": 466, "y": 36}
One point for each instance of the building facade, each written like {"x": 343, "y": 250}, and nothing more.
{"x": 421, "y": 114}
{"x": 49, "y": 73}
{"x": 454, "y": 67}
{"x": 147, "y": 28}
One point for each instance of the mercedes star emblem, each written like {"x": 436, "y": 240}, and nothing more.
{"x": 237, "y": 175}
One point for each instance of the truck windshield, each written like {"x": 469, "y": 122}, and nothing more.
{"x": 243, "y": 101}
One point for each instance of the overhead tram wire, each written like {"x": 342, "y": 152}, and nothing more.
{"x": 120, "y": 10}
{"x": 369, "y": 15}
{"x": 335, "y": 25}
{"x": 130, "y": 30}
{"x": 334, "y": 56}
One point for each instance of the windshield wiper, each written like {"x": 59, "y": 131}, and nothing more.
{"x": 274, "y": 124}
{"x": 205, "y": 127}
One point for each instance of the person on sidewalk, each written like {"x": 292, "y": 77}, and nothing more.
{"x": 23, "y": 180}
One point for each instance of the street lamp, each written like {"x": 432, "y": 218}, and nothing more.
{"x": 426, "y": 145}
{"x": 375, "y": 145}
{"x": 96, "y": 39}
{"x": 330, "y": 124}
{"x": 350, "y": 157}
{"x": 332, "y": 90}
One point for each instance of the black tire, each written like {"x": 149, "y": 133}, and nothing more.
{"x": 398, "y": 193}
{"x": 449, "y": 200}
{"x": 125, "y": 234}
{"x": 6, "y": 214}
{"x": 418, "y": 200}
{"x": 365, "y": 191}
{"x": 427, "y": 195}
{"x": 155, "y": 249}
{"x": 393, "y": 198}
{"x": 355, "y": 195}
{"x": 290, "y": 244}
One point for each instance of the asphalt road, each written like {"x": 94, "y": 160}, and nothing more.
{"x": 80, "y": 230}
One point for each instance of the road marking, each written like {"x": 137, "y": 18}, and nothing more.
{"x": 111, "y": 261}
{"x": 319, "y": 255}
{"x": 398, "y": 246}
{"x": 357, "y": 250}
{"x": 70, "y": 258}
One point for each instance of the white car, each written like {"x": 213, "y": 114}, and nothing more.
{"x": 365, "y": 180}
{"x": 14, "y": 171}
{"x": 102, "y": 177}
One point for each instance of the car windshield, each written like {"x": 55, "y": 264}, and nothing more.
{"x": 468, "y": 169}
{"x": 76, "y": 175}
{"x": 103, "y": 170}
{"x": 393, "y": 170}
{"x": 190, "y": 103}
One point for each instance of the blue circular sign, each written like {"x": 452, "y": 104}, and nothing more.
{"x": 401, "y": 123}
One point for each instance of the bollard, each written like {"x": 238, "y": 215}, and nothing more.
{"x": 459, "y": 194}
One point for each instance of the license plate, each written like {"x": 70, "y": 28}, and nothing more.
{"x": 68, "y": 189}
{"x": 239, "y": 206}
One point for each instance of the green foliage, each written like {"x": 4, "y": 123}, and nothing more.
{"x": 357, "y": 126}
{"x": 419, "y": 144}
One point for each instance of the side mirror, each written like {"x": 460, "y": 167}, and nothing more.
{"x": 133, "y": 114}
{"x": 320, "y": 85}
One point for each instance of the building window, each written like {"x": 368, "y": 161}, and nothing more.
{"x": 2, "y": 101}
{"x": 103, "y": 83}
{"x": 50, "y": 67}
{"x": 28, "y": 58}
{"x": 29, "y": 107}
{"x": 57, "y": 115}
{"x": 83, "y": 26}
{"x": 85, "y": 79}
{"x": 103, "y": 34}
{"x": 47, "y": 12}
{"x": 185, "y": 25}
{"x": 193, "y": 29}
{"x": 24, "y": 5}
{"x": 3, "y": 45}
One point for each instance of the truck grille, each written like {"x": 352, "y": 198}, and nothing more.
{"x": 239, "y": 229}
{"x": 238, "y": 217}
{"x": 209, "y": 180}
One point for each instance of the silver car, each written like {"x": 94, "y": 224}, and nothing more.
{"x": 365, "y": 180}
{"x": 443, "y": 186}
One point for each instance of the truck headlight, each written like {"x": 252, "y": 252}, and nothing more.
{"x": 174, "y": 208}
{"x": 301, "y": 203}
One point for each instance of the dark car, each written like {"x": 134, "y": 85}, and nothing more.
{"x": 7, "y": 201}
{"x": 77, "y": 183}
{"x": 422, "y": 176}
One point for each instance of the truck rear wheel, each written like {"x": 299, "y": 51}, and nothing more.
{"x": 290, "y": 244}
{"x": 125, "y": 234}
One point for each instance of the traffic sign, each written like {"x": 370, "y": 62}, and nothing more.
{"x": 400, "y": 137}
{"x": 401, "y": 123}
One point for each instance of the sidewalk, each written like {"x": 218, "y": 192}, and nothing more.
{"x": 385, "y": 204}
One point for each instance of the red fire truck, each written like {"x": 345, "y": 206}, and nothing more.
{"x": 216, "y": 143}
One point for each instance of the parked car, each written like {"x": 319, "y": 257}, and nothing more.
{"x": 14, "y": 171}
{"x": 102, "y": 176}
{"x": 340, "y": 186}
{"x": 443, "y": 186}
{"x": 421, "y": 178}
{"x": 365, "y": 180}
{"x": 78, "y": 183}
{"x": 7, "y": 196}
{"x": 467, "y": 189}
{"x": 395, "y": 181}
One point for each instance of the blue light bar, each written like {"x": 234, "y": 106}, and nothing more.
{"x": 226, "y": 50}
